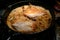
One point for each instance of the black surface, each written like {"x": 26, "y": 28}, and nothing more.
{"x": 5, "y": 3}
{"x": 6, "y": 33}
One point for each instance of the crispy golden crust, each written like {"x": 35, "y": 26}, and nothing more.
{"x": 29, "y": 19}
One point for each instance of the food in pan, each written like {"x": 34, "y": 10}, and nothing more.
{"x": 29, "y": 19}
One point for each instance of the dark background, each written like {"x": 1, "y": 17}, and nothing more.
{"x": 5, "y": 3}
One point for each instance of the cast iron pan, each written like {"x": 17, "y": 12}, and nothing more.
{"x": 18, "y": 4}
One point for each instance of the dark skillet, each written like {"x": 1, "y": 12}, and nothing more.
{"x": 13, "y": 6}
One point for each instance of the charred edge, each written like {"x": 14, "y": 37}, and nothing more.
{"x": 23, "y": 7}
{"x": 30, "y": 18}
{"x": 14, "y": 27}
